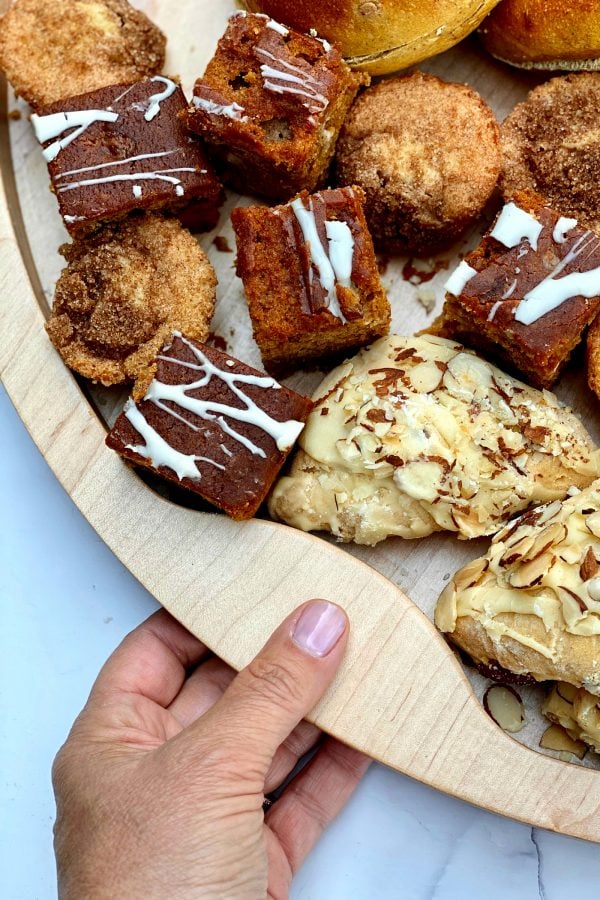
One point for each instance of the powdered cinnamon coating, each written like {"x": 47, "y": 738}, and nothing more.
{"x": 551, "y": 144}
{"x": 426, "y": 153}
{"x": 124, "y": 291}
{"x": 50, "y": 51}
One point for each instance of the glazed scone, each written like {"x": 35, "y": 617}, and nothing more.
{"x": 577, "y": 711}
{"x": 532, "y": 603}
{"x": 416, "y": 435}
{"x": 125, "y": 289}
{"x": 426, "y": 152}
{"x": 551, "y": 145}
{"x": 55, "y": 50}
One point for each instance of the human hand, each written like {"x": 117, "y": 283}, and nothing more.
{"x": 161, "y": 782}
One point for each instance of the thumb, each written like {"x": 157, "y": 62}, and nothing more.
{"x": 268, "y": 698}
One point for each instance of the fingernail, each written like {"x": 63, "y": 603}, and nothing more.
{"x": 319, "y": 628}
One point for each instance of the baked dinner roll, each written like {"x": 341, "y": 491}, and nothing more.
{"x": 382, "y": 36}
{"x": 532, "y": 603}
{"x": 545, "y": 34}
{"x": 577, "y": 711}
{"x": 416, "y": 435}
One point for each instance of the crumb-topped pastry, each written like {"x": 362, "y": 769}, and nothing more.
{"x": 416, "y": 435}
{"x": 212, "y": 424}
{"x": 532, "y": 603}
{"x": 551, "y": 145}
{"x": 271, "y": 104}
{"x": 577, "y": 711}
{"x": 123, "y": 292}
{"x": 125, "y": 147}
{"x": 427, "y": 154}
{"x": 528, "y": 292}
{"x": 50, "y": 51}
{"x": 310, "y": 276}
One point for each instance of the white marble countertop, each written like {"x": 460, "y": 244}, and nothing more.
{"x": 65, "y": 602}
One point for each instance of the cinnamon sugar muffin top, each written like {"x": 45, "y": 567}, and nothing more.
{"x": 58, "y": 49}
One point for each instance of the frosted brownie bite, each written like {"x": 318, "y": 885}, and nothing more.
{"x": 311, "y": 277}
{"x": 211, "y": 424}
{"x": 50, "y": 51}
{"x": 123, "y": 292}
{"x": 126, "y": 147}
{"x": 528, "y": 292}
{"x": 271, "y": 103}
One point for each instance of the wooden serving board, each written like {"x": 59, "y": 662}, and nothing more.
{"x": 401, "y": 695}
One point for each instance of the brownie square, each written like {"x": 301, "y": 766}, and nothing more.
{"x": 211, "y": 424}
{"x": 311, "y": 277}
{"x": 528, "y": 292}
{"x": 126, "y": 147}
{"x": 271, "y": 104}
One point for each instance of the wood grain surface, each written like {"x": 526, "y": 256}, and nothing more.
{"x": 401, "y": 696}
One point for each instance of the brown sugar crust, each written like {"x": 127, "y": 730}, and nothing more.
{"x": 124, "y": 291}
{"x": 426, "y": 152}
{"x": 551, "y": 145}
{"x": 50, "y": 51}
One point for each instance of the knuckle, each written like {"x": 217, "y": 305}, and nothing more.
{"x": 274, "y": 682}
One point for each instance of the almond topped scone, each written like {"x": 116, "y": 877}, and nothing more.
{"x": 532, "y": 604}
{"x": 417, "y": 434}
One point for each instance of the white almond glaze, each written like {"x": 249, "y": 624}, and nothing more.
{"x": 160, "y": 452}
{"x": 153, "y": 106}
{"x": 47, "y": 127}
{"x": 515, "y": 225}
{"x": 459, "y": 278}
{"x": 232, "y": 111}
{"x": 318, "y": 256}
{"x": 562, "y": 228}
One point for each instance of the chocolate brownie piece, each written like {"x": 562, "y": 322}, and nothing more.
{"x": 213, "y": 425}
{"x": 122, "y": 148}
{"x": 311, "y": 277}
{"x": 528, "y": 292}
{"x": 271, "y": 104}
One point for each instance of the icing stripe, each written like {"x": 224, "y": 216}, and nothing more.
{"x": 47, "y": 127}
{"x": 459, "y": 278}
{"x": 515, "y": 225}
{"x": 318, "y": 257}
{"x": 153, "y": 108}
{"x": 118, "y": 162}
{"x": 161, "y": 175}
{"x": 233, "y": 111}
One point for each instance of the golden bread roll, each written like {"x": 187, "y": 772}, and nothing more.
{"x": 532, "y": 603}
{"x": 545, "y": 34}
{"x": 416, "y": 435}
{"x": 577, "y": 711}
{"x": 382, "y": 36}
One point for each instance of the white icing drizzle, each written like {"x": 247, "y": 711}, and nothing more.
{"x": 278, "y": 27}
{"x": 326, "y": 45}
{"x": 70, "y": 219}
{"x": 562, "y": 228}
{"x": 515, "y": 225}
{"x": 137, "y": 191}
{"x": 307, "y": 86}
{"x": 317, "y": 255}
{"x": 341, "y": 251}
{"x": 233, "y": 111}
{"x": 494, "y": 310}
{"x": 160, "y": 451}
{"x": 160, "y": 175}
{"x": 553, "y": 291}
{"x": 153, "y": 107}
{"x": 118, "y": 162}
{"x": 511, "y": 290}
{"x": 55, "y": 124}
{"x": 459, "y": 278}
{"x": 179, "y": 190}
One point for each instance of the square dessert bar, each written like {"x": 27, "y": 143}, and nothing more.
{"x": 122, "y": 148}
{"x": 271, "y": 104}
{"x": 311, "y": 277}
{"x": 528, "y": 292}
{"x": 213, "y": 425}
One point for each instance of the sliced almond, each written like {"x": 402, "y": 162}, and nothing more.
{"x": 593, "y": 588}
{"x": 471, "y": 574}
{"x": 589, "y": 565}
{"x": 425, "y": 377}
{"x": 548, "y": 537}
{"x": 548, "y": 512}
{"x": 566, "y": 691}
{"x": 593, "y": 523}
{"x": 530, "y": 573}
{"x": 516, "y": 551}
{"x": 505, "y": 707}
{"x": 556, "y": 738}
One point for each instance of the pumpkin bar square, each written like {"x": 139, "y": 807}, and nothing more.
{"x": 311, "y": 278}
{"x": 211, "y": 424}
{"x": 528, "y": 292}
{"x": 122, "y": 148}
{"x": 271, "y": 104}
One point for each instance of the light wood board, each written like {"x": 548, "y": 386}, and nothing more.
{"x": 401, "y": 696}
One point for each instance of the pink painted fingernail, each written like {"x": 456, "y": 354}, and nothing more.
{"x": 319, "y": 628}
